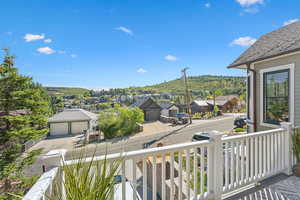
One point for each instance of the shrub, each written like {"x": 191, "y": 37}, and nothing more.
{"x": 120, "y": 121}
{"x": 239, "y": 130}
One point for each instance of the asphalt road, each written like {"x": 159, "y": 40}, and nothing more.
{"x": 181, "y": 135}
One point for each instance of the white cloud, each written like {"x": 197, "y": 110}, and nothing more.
{"x": 249, "y": 2}
{"x": 30, "y": 37}
{"x": 244, "y": 41}
{"x": 73, "y": 55}
{"x": 48, "y": 40}
{"x": 171, "y": 58}
{"x": 125, "y": 30}
{"x": 290, "y": 21}
{"x": 207, "y": 5}
{"x": 141, "y": 70}
{"x": 45, "y": 50}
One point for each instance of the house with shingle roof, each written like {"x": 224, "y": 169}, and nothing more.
{"x": 273, "y": 68}
{"x": 150, "y": 108}
{"x": 72, "y": 121}
{"x": 168, "y": 109}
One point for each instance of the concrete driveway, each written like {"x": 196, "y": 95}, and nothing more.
{"x": 62, "y": 142}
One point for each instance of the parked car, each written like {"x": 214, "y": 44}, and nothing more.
{"x": 240, "y": 122}
{"x": 182, "y": 118}
{"x": 201, "y": 136}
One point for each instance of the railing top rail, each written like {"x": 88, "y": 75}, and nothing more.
{"x": 238, "y": 137}
{"x": 143, "y": 152}
{"x": 38, "y": 190}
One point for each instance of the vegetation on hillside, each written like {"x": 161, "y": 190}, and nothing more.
{"x": 67, "y": 91}
{"x": 200, "y": 85}
{"x": 24, "y": 107}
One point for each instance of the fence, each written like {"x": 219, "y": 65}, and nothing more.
{"x": 206, "y": 169}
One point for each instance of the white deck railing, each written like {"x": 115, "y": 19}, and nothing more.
{"x": 202, "y": 170}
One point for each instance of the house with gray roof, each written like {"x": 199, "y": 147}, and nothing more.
{"x": 150, "y": 108}
{"x": 273, "y": 69}
{"x": 72, "y": 121}
{"x": 168, "y": 109}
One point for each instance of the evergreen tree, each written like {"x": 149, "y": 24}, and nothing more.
{"x": 24, "y": 108}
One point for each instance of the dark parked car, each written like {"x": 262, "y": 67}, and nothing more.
{"x": 240, "y": 122}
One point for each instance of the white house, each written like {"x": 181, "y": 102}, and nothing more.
{"x": 72, "y": 121}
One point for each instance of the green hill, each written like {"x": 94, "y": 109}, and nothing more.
{"x": 65, "y": 91}
{"x": 200, "y": 85}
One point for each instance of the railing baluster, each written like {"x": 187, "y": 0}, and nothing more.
{"x": 154, "y": 175}
{"x": 232, "y": 153}
{"x": 247, "y": 159}
{"x": 188, "y": 169}
{"x": 268, "y": 154}
{"x": 242, "y": 162}
{"x": 282, "y": 149}
{"x": 163, "y": 180}
{"x": 172, "y": 176}
{"x": 237, "y": 161}
{"x": 134, "y": 179}
{"x": 260, "y": 150}
{"x": 265, "y": 155}
{"x": 256, "y": 157}
{"x": 226, "y": 166}
{"x": 202, "y": 166}
{"x": 123, "y": 181}
{"x": 276, "y": 151}
{"x": 195, "y": 173}
{"x": 252, "y": 163}
{"x": 180, "y": 175}
{"x": 272, "y": 153}
{"x": 145, "y": 184}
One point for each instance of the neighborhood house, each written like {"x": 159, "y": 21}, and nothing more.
{"x": 150, "y": 108}
{"x": 273, "y": 66}
{"x": 72, "y": 121}
{"x": 230, "y": 103}
{"x": 168, "y": 109}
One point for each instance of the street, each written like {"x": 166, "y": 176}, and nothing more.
{"x": 182, "y": 135}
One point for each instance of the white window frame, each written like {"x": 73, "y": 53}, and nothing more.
{"x": 291, "y": 68}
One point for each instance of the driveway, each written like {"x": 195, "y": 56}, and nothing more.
{"x": 64, "y": 142}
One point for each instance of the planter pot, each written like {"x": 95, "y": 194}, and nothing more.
{"x": 296, "y": 169}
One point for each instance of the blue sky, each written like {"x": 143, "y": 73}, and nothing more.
{"x": 121, "y": 43}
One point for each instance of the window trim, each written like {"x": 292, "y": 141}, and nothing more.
{"x": 291, "y": 68}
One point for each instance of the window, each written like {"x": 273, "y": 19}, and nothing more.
{"x": 276, "y": 96}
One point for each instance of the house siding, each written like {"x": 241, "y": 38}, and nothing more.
{"x": 293, "y": 59}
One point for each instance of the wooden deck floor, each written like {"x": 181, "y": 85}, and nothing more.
{"x": 279, "y": 187}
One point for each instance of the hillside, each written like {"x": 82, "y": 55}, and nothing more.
{"x": 65, "y": 91}
{"x": 201, "y": 85}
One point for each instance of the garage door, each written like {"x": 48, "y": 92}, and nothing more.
{"x": 59, "y": 129}
{"x": 78, "y": 127}
{"x": 152, "y": 115}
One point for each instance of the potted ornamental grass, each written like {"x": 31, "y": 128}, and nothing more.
{"x": 296, "y": 150}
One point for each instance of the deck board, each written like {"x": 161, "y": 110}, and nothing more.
{"x": 279, "y": 187}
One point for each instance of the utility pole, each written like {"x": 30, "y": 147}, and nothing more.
{"x": 187, "y": 93}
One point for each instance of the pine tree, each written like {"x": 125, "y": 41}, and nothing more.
{"x": 24, "y": 108}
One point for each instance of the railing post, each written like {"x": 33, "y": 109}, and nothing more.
{"x": 56, "y": 158}
{"x": 215, "y": 165}
{"x": 288, "y": 152}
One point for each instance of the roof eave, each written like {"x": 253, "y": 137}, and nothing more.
{"x": 244, "y": 65}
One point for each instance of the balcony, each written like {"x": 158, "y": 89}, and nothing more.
{"x": 219, "y": 168}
